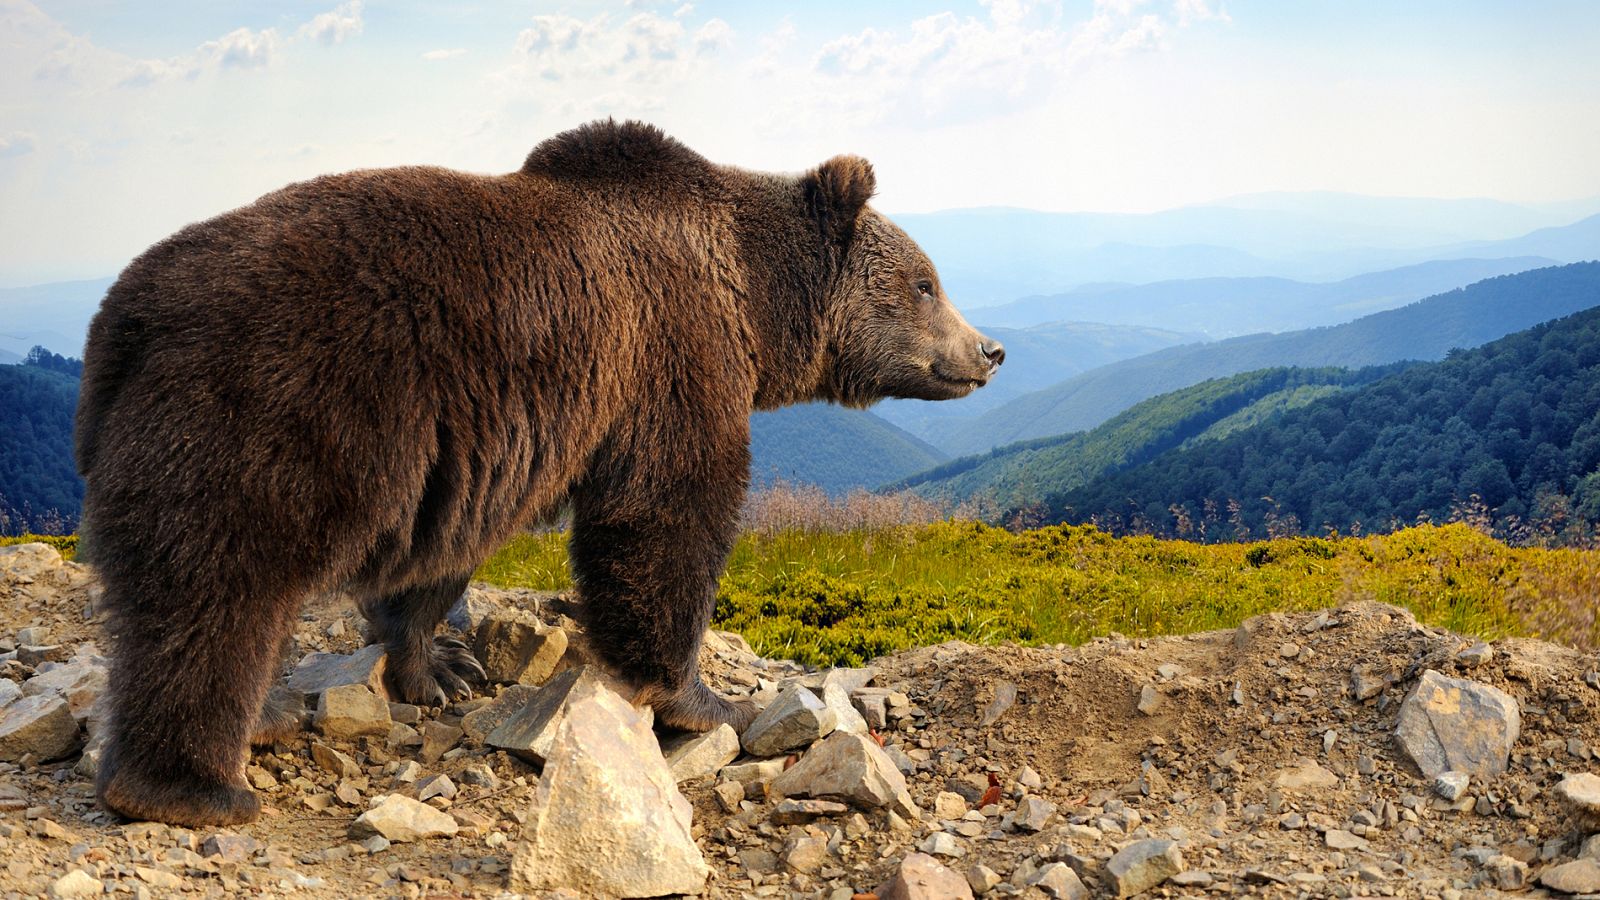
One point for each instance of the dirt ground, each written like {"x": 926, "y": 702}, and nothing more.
{"x": 1228, "y": 720}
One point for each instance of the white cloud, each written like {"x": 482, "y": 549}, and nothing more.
{"x": 451, "y": 53}
{"x": 16, "y": 144}
{"x": 945, "y": 66}
{"x": 1199, "y": 11}
{"x": 333, "y": 27}
{"x": 241, "y": 48}
{"x": 645, "y": 48}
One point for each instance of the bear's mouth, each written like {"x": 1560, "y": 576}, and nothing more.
{"x": 967, "y": 383}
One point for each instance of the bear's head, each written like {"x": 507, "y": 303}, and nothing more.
{"x": 889, "y": 328}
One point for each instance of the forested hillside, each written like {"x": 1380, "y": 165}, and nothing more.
{"x": 835, "y": 448}
{"x": 39, "y": 487}
{"x": 1023, "y": 473}
{"x": 1507, "y": 435}
{"x": 1425, "y": 330}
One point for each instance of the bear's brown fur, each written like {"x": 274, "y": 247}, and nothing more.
{"x": 369, "y": 381}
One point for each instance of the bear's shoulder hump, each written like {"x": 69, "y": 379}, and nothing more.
{"x": 608, "y": 149}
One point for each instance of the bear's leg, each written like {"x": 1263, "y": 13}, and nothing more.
{"x": 190, "y": 672}
{"x": 647, "y": 570}
{"x": 421, "y": 668}
{"x": 283, "y": 713}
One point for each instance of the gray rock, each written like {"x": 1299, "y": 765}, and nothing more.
{"x": 850, "y": 680}
{"x": 872, "y": 704}
{"x": 530, "y": 732}
{"x": 1005, "y": 696}
{"x": 756, "y": 771}
{"x": 806, "y": 853}
{"x": 1451, "y": 785}
{"x": 1339, "y": 839}
{"x": 399, "y": 818}
{"x": 317, "y": 672}
{"x": 1149, "y": 700}
{"x": 606, "y": 818}
{"x": 800, "y": 812}
{"x": 1032, "y": 813}
{"x": 512, "y": 650}
{"x": 1197, "y": 878}
{"x": 949, "y": 805}
{"x": 846, "y": 718}
{"x": 334, "y": 761}
{"x": 850, "y": 768}
{"x": 1509, "y": 874}
{"x": 1368, "y": 680}
{"x": 470, "y": 610}
{"x": 482, "y": 721}
{"x": 76, "y": 883}
{"x": 1455, "y": 724}
{"x": 9, "y": 692}
{"x": 1475, "y": 655}
{"x": 795, "y": 718}
{"x": 1580, "y": 876}
{"x": 40, "y": 726}
{"x": 982, "y": 879}
{"x": 1307, "y": 775}
{"x": 921, "y": 877}
{"x": 437, "y": 739}
{"x": 1580, "y": 792}
{"x": 27, "y": 563}
{"x": 1143, "y": 865}
{"x": 436, "y": 786}
{"x": 942, "y": 843}
{"x": 349, "y": 711}
{"x": 1058, "y": 880}
{"x": 694, "y": 755}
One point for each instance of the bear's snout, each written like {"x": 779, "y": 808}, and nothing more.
{"x": 993, "y": 351}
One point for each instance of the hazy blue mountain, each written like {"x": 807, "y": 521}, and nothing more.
{"x": 54, "y": 315}
{"x": 994, "y": 255}
{"x": 1225, "y": 307}
{"x": 1471, "y": 218}
{"x": 1035, "y": 358}
{"x": 832, "y": 447}
{"x": 1425, "y": 330}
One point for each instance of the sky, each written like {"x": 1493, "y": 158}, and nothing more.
{"x": 121, "y": 122}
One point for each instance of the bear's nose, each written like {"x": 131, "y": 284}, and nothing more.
{"x": 993, "y": 352}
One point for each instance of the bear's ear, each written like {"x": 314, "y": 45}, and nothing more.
{"x": 835, "y": 192}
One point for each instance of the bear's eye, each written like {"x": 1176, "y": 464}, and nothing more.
{"x": 925, "y": 290}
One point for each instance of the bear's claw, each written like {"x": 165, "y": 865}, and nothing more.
{"x": 436, "y": 677}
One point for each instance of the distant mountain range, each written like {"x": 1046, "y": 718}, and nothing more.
{"x": 1424, "y": 330}
{"x": 54, "y": 315}
{"x": 988, "y": 257}
{"x": 1227, "y": 307}
{"x": 832, "y": 447}
{"x": 1505, "y": 435}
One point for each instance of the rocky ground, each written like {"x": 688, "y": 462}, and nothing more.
{"x": 1347, "y": 753}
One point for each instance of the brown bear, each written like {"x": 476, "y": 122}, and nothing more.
{"x": 370, "y": 381}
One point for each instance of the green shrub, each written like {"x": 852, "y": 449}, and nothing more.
{"x": 840, "y": 598}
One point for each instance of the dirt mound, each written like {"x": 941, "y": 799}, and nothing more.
{"x": 1267, "y": 755}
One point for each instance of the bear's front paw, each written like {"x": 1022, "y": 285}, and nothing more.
{"x": 436, "y": 676}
